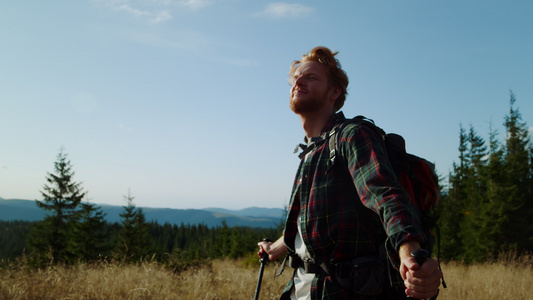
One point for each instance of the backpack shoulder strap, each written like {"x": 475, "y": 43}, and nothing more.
{"x": 333, "y": 143}
{"x": 333, "y": 134}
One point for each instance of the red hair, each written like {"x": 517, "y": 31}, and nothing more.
{"x": 336, "y": 76}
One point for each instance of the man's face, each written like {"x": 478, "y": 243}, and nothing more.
{"x": 310, "y": 90}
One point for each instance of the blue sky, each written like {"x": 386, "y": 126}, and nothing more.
{"x": 185, "y": 103}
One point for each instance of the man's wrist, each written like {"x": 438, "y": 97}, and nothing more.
{"x": 406, "y": 249}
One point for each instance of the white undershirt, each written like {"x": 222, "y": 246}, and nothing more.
{"x": 302, "y": 280}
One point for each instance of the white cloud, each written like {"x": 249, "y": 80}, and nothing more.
{"x": 155, "y": 11}
{"x": 195, "y": 4}
{"x": 134, "y": 11}
{"x": 153, "y": 16}
{"x": 163, "y": 2}
{"x": 286, "y": 10}
{"x": 161, "y": 16}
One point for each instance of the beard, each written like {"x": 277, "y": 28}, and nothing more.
{"x": 308, "y": 105}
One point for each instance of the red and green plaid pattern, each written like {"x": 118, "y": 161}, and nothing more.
{"x": 349, "y": 208}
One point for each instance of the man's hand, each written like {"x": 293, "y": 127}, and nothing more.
{"x": 421, "y": 282}
{"x": 274, "y": 249}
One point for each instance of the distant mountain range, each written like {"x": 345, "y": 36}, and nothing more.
{"x": 27, "y": 210}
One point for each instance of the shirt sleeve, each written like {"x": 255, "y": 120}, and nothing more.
{"x": 378, "y": 187}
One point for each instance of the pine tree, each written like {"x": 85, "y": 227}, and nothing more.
{"x": 475, "y": 195}
{"x": 90, "y": 234}
{"x": 134, "y": 241}
{"x": 491, "y": 224}
{"x": 49, "y": 239}
{"x": 518, "y": 203}
{"x": 451, "y": 209}
{"x": 223, "y": 240}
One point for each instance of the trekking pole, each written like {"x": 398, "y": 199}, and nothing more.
{"x": 264, "y": 261}
{"x": 420, "y": 256}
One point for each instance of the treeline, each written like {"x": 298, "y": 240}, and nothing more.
{"x": 488, "y": 205}
{"x": 76, "y": 231}
{"x": 163, "y": 242}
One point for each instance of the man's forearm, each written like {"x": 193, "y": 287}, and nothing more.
{"x": 274, "y": 249}
{"x": 277, "y": 249}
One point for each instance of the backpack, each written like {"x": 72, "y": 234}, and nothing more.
{"x": 416, "y": 175}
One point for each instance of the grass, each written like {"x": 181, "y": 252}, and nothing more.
{"x": 219, "y": 279}
{"x": 510, "y": 277}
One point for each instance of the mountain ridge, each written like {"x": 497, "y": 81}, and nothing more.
{"x": 26, "y": 210}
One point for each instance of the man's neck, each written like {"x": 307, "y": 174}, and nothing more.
{"x": 313, "y": 123}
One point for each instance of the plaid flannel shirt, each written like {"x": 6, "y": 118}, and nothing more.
{"x": 350, "y": 208}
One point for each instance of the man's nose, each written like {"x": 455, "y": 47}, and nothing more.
{"x": 299, "y": 81}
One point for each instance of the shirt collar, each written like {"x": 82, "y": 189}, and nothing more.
{"x": 309, "y": 143}
{"x": 333, "y": 120}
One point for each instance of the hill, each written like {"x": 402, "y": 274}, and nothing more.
{"x": 26, "y": 210}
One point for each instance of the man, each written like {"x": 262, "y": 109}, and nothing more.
{"x": 352, "y": 210}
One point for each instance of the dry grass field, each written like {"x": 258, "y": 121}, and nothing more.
{"x": 509, "y": 278}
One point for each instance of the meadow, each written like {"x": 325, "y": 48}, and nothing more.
{"x": 510, "y": 277}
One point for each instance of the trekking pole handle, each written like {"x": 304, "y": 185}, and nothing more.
{"x": 420, "y": 256}
{"x": 264, "y": 256}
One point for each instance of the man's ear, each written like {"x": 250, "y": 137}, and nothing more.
{"x": 334, "y": 93}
